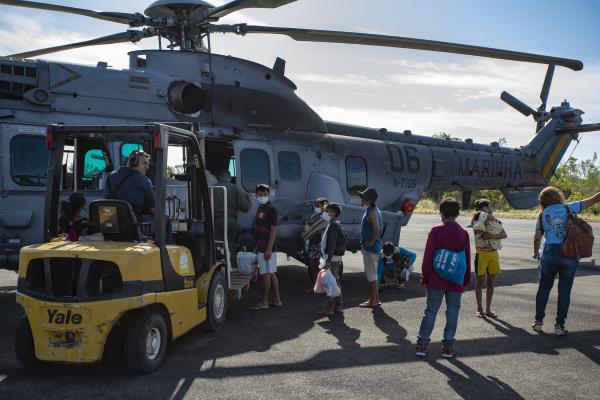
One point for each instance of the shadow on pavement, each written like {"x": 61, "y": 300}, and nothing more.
{"x": 195, "y": 355}
{"x": 487, "y": 387}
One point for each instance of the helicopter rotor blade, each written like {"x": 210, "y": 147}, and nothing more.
{"x": 127, "y": 36}
{"x": 313, "y": 35}
{"x": 122, "y": 18}
{"x": 546, "y": 87}
{"x": 233, "y": 6}
{"x": 580, "y": 129}
{"x": 517, "y": 104}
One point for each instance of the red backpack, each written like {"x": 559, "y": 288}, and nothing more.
{"x": 579, "y": 240}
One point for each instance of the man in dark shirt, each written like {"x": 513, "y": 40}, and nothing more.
{"x": 131, "y": 184}
{"x": 265, "y": 232}
{"x": 237, "y": 200}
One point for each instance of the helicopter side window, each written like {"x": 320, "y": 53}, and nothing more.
{"x": 290, "y": 168}
{"x": 255, "y": 168}
{"x": 85, "y": 162}
{"x": 29, "y": 160}
{"x": 356, "y": 174}
{"x": 126, "y": 149}
{"x": 93, "y": 164}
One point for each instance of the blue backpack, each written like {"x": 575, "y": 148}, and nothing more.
{"x": 450, "y": 265}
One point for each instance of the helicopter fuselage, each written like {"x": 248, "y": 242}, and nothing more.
{"x": 250, "y": 113}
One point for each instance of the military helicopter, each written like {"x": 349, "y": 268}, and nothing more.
{"x": 250, "y": 121}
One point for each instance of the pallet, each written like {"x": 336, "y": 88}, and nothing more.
{"x": 238, "y": 281}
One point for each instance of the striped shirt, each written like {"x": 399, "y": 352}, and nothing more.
{"x": 266, "y": 217}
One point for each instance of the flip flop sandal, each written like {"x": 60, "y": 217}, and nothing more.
{"x": 491, "y": 315}
{"x": 479, "y": 314}
{"x": 276, "y": 305}
{"x": 259, "y": 307}
{"x": 366, "y": 304}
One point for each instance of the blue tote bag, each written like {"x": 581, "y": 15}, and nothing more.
{"x": 450, "y": 265}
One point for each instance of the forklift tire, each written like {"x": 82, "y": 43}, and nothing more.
{"x": 145, "y": 341}
{"x": 216, "y": 308}
{"x": 24, "y": 348}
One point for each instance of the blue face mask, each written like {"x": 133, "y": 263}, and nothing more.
{"x": 326, "y": 216}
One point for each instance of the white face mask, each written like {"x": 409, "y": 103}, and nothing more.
{"x": 263, "y": 199}
{"x": 317, "y": 210}
{"x": 326, "y": 216}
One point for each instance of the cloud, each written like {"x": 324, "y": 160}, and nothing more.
{"x": 345, "y": 79}
{"x": 41, "y": 36}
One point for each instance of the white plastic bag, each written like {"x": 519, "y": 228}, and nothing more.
{"x": 247, "y": 262}
{"x": 330, "y": 285}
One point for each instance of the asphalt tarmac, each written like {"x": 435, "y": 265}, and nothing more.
{"x": 292, "y": 353}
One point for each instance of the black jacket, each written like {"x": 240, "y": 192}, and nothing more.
{"x": 335, "y": 245}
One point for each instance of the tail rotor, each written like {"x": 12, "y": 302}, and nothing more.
{"x": 541, "y": 116}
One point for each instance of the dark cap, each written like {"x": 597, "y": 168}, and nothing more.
{"x": 369, "y": 194}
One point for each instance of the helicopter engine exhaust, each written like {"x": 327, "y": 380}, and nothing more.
{"x": 186, "y": 98}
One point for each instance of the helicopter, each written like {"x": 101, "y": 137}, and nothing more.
{"x": 251, "y": 122}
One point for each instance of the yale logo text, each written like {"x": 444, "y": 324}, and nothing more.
{"x": 56, "y": 317}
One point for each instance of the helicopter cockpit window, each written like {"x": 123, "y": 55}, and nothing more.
{"x": 289, "y": 166}
{"x": 255, "y": 168}
{"x": 29, "y": 160}
{"x": 356, "y": 174}
{"x": 126, "y": 149}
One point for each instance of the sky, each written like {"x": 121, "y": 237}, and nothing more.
{"x": 396, "y": 89}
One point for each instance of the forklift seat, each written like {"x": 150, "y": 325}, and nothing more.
{"x": 116, "y": 220}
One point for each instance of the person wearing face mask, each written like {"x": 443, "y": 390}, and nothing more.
{"x": 370, "y": 242}
{"x": 265, "y": 232}
{"x": 333, "y": 246}
{"x": 311, "y": 235}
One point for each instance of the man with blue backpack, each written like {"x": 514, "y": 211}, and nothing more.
{"x": 445, "y": 272}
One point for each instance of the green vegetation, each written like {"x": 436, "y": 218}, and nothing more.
{"x": 578, "y": 179}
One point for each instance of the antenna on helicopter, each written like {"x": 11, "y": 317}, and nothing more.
{"x": 541, "y": 116}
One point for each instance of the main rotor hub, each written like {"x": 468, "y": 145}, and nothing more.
{"x": 176, "y": 8}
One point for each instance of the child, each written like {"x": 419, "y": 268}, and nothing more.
{"x": 333, "y": 246}
{"x": 265, "y": 231}
{"x": 311, "y": 234}
{"x": 395, "y": 265}
{"x": 488, "y": 232}
{"x": 451, "y": 236}
{"x": 406, "y": 259}
{"x": 71, "y": 223}
{"x": 386, "y": 268}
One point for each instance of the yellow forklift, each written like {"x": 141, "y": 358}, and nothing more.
{"x": 121, "y": 283}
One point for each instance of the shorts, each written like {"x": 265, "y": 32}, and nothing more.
{"x": 267, "y": 266}
{"x": 371, "y": 262}
{"x": 487, "y": 262}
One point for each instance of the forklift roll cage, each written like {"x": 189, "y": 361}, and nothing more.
{"x": 156, "y": 138}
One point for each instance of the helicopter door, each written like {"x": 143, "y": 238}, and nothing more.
{"x": 23, "y": 165}
{"x": 219, "y": 156}
{"x": 254, "y": 166}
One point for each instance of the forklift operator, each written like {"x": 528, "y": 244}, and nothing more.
{"x": 131, "y": 184}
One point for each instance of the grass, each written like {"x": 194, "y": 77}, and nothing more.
{"x": 430, "y": 207}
